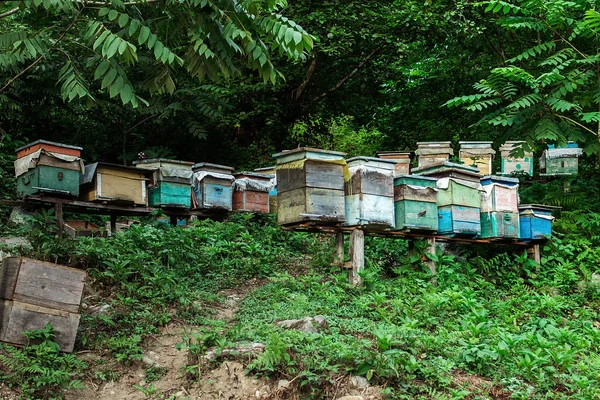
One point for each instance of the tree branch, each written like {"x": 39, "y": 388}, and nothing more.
{"x": 309, "y": 73}
{"x": 9, "y": 12}
{"x": 345, "y": 78}
{"x": 576, "y": 123}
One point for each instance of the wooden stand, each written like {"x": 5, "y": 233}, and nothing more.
{"x": 357, "y": 256}
{"x": 534, "y": 253}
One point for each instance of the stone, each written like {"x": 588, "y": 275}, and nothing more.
{"x": 359, "y": 381}
{"x": 283, "y": 384}
{"x": 306, "y": 324}
{"x": 97, "y": 310}
{"x": 148, "y": 361}
{"x": 351, "y": 398}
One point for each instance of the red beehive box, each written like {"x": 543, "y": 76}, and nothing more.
{"x": 49, "y": 146}
{"x": 251, "y": 192}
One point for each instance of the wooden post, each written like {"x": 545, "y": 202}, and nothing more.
{"x": 534, "y": 253}
{"x": 338, "y": 259}
{"x": 173, "y": 219}
{"x": 357, "y": 256}
{"x": 60, "y": 222}
{"x": 113, "y": 224}
{"x": 430, "y": 263}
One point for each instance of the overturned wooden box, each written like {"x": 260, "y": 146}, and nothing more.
{"x": 415, "y": 203}
{"x": 558, "y": 160}
{"x": 44, "y": 167}
{"x": 401, "y": 158}
{"x": 171, "y": 182}
{"x": 477, "y": 154}
{"x": 515, "y": 160}
{"x": 34, "y": 293}
{"x": 499, "y": 207}
{"x": 429, "y": 153}
{"x": 115, "y": 183}
{"x": 212, "y": 186}
{"x": 251, "y": 192}
{"x": 310, "y": 186}
{"x": 370, "y": 192}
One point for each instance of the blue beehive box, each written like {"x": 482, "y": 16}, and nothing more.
{"x": 212, "y": 186}
{"x": 535, "y": 221}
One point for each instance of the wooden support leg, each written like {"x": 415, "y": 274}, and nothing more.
{"x": 60, "y": 222}
{"x": 338, "y": 257}
{"x": 431, "y": 249}
{"x": 173, "y": 219}
{"x": 357, "y": 256}
{"x": 534, "y": 253}
{"x": 113, "y": 224}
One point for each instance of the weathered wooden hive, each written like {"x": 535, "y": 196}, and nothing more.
{"x": 171, "y": 184}
{"x": 251, "y": 192}
{"x": 415, "y": 203}
{"x": 430, "y": 153}
{"x": 370, "y": 192}
{"x": 535, "y": 221}
{"x": 477, "y": 154}
{"x": 34, "y": 293}
{"x": 115, "y": 183}
{"x": 273, "y": 192}
{"x": 402, "y": 159}
{"x": 44, "y": 167}
{"x": 458, "y": 198}
{"x": 212, "y": 186}
{"x": 560, "y": 160}
{"x": 310, "y": 186}
{"x": 500, "y": 207}
{"x": 515, "y": 164}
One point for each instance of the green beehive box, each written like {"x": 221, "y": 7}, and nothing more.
{"x": 560, "y": 160}
{"x": 171, "y": 184}
{"x": 49, "y": 180}
{"x": 415, "y": 203}
{"x": 500, "y": 225}
{"x": 459, "y": 194}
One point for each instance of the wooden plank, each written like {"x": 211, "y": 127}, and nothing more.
{"x": 357, "y": 256}
{"x": 60, "y": 222}
{"x": 112, "y": 187}
{"x": 338, "y": 259}
{"x": 19, "y": 317}
{"x": 8, "y": 277}
{"x": 323, "y": 175}
{"x": 49, "y": 285}
{"x": 290, "y": 179}
{"x": 432, "y": 250}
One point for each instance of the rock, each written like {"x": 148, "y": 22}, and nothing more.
{"x": 359, "y": 381}
{"x": 283, "y": 384}
{"x": 149, "y": 362}
{"x": 595, "y": 279}
{"x": 351, "y": 398}
{"x": 97, "y": 310}
{"x": 241, "y": 349}
{"x": 306, "y": 324}
{"x": 19, "y": 217}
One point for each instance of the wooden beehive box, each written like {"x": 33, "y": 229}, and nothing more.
{"x": 34, "y": 293}
{"x": 45, "y": 167}
{"x": 429, "y": 153}
{"x": 415, "y": 203}
{"x": 273, "y": 192}
{"x": 212, "y": 186}
{"x": 536, "y": 221}
{"x": 310, "y": 186}
{"x": 458, "y": 198}
{"x": 171, "y": 184}
{"x": 115, "y": 183}
{"x": 477, "y": 154}
{"x": 557, "y": 161}
{"x": 402, "y": 159}
{"x": 515, "y": 164}
{"x": 370, "y": 192}
{"x": 251, "y": 192}
{"x": 78, "y": 227}
{"x": 500, "y": 207}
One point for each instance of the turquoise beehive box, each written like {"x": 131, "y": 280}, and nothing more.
{"x": 171, "y": 184}
{"x": 415, "y": 203}
{"x": 499, "y": 207}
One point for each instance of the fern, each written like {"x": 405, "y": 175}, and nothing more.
{"x": 533, "y": 51}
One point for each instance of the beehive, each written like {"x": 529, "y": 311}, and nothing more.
{"x": 310, "y": 186}
{"x": 499, "y": 207}
{"x": 433, "y": 153}
{"x": 415, "y": 203}
{"x": 370, "y": 192}
{"x": 171, "y": 182}
{"x": 515, "y": 164}
{"x": 560, "y": 160}
{"x": 535, "y": 221}
{"x": 273, "y": 192}
{"x": 251, "y": 192}
{"x": 477, "y": 154}
{"x": 458, "y": 198}
{"x": 212, "y": 186}
{"x": 402, "y": 159}
{"x": 45, "y": 167}
{"x": 115, "y": 183}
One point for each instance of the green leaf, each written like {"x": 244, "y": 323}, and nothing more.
{"x": 113, "y": 14}
{"x": 103, "y": 11}
{"x": 133, "y": 26}
{"x": 123, "y": 20}
{"x": 158, "y": 48}
{"x": 101, "y": 69}
{"x": 126, "y": 94}
{"x": 114, "y": 47}
{"x": 108, "y": 78}
{"x": 144, "y": 33}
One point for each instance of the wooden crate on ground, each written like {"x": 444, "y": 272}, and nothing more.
{"x": 171, "y": 184}
{"x": 370, "y": 192}
{"x": 34, "y": 293}
{"x": 251, "y": 192}
{"x": 500, "y": 207}
{"x": 402, "y": 159}
{"x": 212, "y": 186}
{"x": 310, "y": 186}
{"x": 115, "y": 183}
{"x": 78, "y": 227}
{"x": 514, "y": 161}
{"x": 415, "y": 203}
{"x": 557, "y": 161}
{"x": 273, "y": 192}
{"x": 536, "y": 221}
{"x": 429, "y": 153}
{"x": 48, "y": 168}
{"x": 477, "y": 154}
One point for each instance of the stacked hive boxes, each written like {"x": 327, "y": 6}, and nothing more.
{"x": 212, "y": 186}
{"x": 44, "y": 167}
{"x": 431, "y": 153}
{"x": 251, "y": 192}
{"x": 171, "y": 182}
{"x": 415, "y": 203}
{"x": 477, "y": 154}
{"x": 500, "y": 207}
{"x": 270, "y": 171}
{"x": 402, "y": 159}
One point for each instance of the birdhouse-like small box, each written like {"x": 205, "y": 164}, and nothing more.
{"x": 310, "y": 186}
{"x": 515, "y": 164}
{"x": 115, "y": 183}
{"x": 477, "y": 154}
{"x": 433, "y": 153}
{"x": 251, "y": 192}
{"x": 536, "y": 221}
{"x": 499, "y": 207}
{"x": 48, "y": 168}
{"x": 370, "y": 192}
{"x": 212, "y": 186}
{"x": 171, "y": 184}
{"x": 270, "y": 171}
{"x": 415, "y": 203}
{"x": 402, "y": 159}
{"x": 560, "y": 160}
